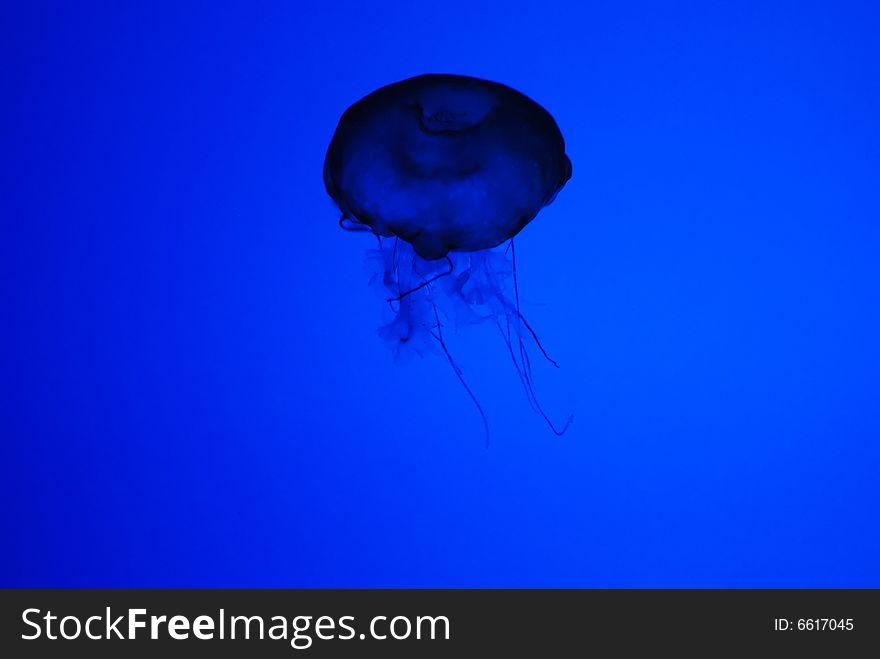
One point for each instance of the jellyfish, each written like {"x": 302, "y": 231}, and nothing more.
{"x": 445, "y": 170}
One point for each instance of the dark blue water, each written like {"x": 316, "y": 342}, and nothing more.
{"x": 193, "y": 390}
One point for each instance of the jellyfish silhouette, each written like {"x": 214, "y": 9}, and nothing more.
{"x": 444, "y": 170}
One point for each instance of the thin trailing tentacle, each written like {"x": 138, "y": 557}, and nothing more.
{"x": 438, "y": 336}
{"x": 524, "y": 366}
{"x": 519, "y": 313}
{"x": 392, "y": 280}
{"x": 535, "y": 337}
{"x": 425, "y": 282}
{"x": 347, "y": 223}
{"x": 505, "y": 335}
{"x": 394, "y": 269}
{"x": 525, "y": 377}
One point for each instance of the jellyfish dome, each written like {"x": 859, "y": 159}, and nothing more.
{"x": 444, "y": 170}
{"x": 446, "y": 163}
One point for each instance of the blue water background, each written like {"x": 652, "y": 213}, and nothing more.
{"x": 193, "y": 390}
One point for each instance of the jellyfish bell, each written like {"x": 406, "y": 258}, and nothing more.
{"x": 445, "y": 163}
{"x": 443, "y": 169}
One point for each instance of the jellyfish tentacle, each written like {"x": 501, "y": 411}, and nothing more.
{"x": 438, "y": 335}
{"x": 425, "y": 282}
{"x": 537, "y": 340}
{"x": 524, "y": 365}
{"x": 348, "y": 223}
{"x": 394, "y": 265}
{"x": 530, "y": 396}
{"x": 520, "y": 314}
{"x": 525, "y": 377}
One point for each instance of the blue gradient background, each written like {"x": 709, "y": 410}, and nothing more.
{"x": 193, "y": 391}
